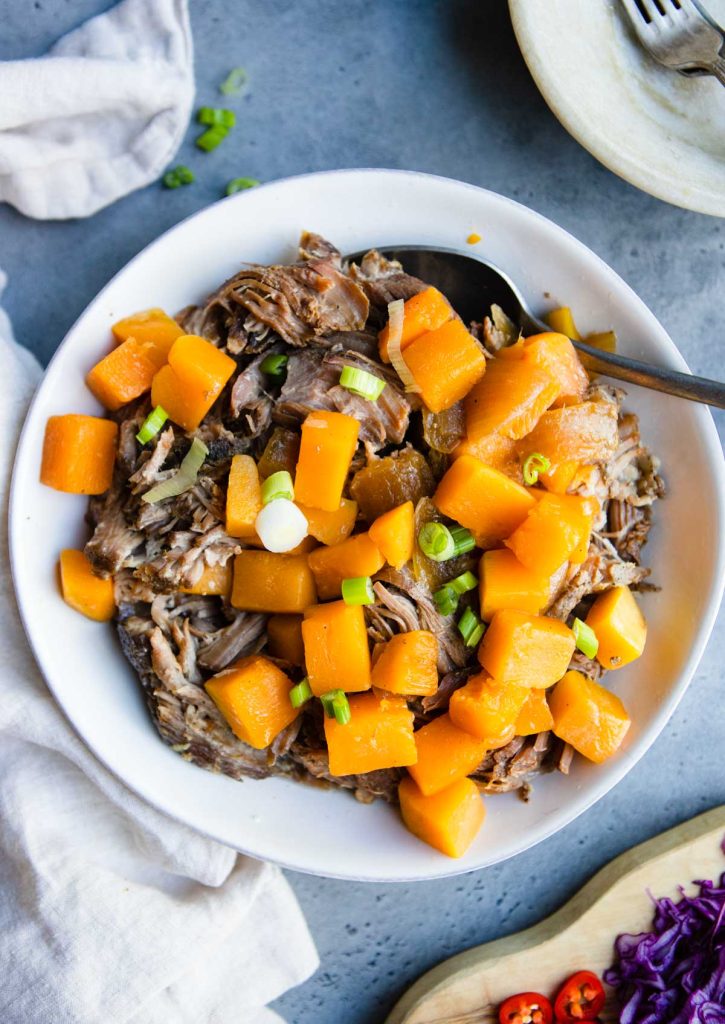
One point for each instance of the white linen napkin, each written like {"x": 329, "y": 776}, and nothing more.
{"x": 100, "y": 115}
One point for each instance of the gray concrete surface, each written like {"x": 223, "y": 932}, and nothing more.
{"x": 437, "y": 85}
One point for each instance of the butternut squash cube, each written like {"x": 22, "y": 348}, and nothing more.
{"x": 449, "y": 820}
{"x": 482, "y": 499}
{"x": 619, "y": 626}
{"x": 356, "y": 556}
{"x": 337, "y": 654}
{"x": 562, "y": 321}
{"x": 556, "y": 354}
{"x": 329, "y": 440}
{"x": 214, "y": 580}
{"x": 586, "y": 432}
{"x": 553, "y": 530}
{"x": 408, "y": 664}
{"x": 589, "y": 717}
{"x": 445, "y": 364}
{"x": 535, "y": 716}
{"x": 505, "y": 583}
{"x": 393, "y": 533}
{"x": 379, "y": 735}
{"x": 83, "y": 590}
{"x": 330, "y": 527}
{"x": 153, "y": 329}
{"x": 192, "y": 381}
{"x": 529, "y": 650}
{"x": 122, "y": 375}
{"x": 445, "y": 755}
{"x": 79, "y": 453}
{"x": 426, "y": 311}
{"x": 284, "y": 635}
{"x": 253, "y": 697}
{"x": 488, "y": 709}
{"x": 495, "y": 450}
{"x": 559, "y": 478}
{"x": 267, "y": 582}
{"x": 244, "y": 497}
{"x": 509, "y": 399}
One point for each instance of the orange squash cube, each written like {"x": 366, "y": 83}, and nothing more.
{"x": 192, "y": 381}
{"x": 253, "y": 697}
{"x": 535, "y": 716}
{"x": 426, "y": 311}
{"x": 408, "y": 664}
{"x": 553, "y": 530}
{"x": 556, "y": 354}
{"x": 529, "y": 650}
{"x": 379, "y": 735}
{"x": 449, "y": 820}
{"x": 509, "y": 399}
{"x": 244, "y": 497}
{"x": 83, "y": 590}
{"x": 586, "y": 432}
{"x": 559, "y": 478}
{"x": 589, "y": 717}
{"x": 79, "y": 453}
{"x": 393, "y": 533}
{"x": 488, "y": 709}
{"x": 495, "y": 450}
{"x": 337, "y": 654}
{"x": 505, "y": 583}
{"x": 267, "y": 582}
{"x": 153, "y": 329}
{"x": 482, "y": 499}
{"x": 445, "y": 364}
{"x": 445, "y": 755}
{"x": 122, "y": 375}
{"x": 562, "y": 321}
{"x": 214, "y": 580}
{"x": 329, "y": 440}
{"x": 619, "y": 626}
{"x": 356, "y": 556}
{"x": 330, "y": 527}
{"x": 284, "y": 635}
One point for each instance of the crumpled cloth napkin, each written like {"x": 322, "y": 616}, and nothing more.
{"x": 100, "y": 115}
{"x": 108, "y": 909}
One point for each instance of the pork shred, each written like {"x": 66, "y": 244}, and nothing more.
{"x": 323, "y": 314}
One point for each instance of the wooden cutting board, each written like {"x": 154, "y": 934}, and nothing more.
{"x": 468, "y": 988}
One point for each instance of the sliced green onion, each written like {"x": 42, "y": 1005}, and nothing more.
{"x": 234, "y": 82}
{"x": 178, "y": 176}
{"x": 396, "y": 317}
{"x": 217, "y": 115}
{"x": 362, "y": 383}
{"x": 183, "y": 479}
{"x": 436, "y": 542}
{"x": 336, "y": 705}
{"x": 300, "y": 693}
{"x": 274, "y": 365}
{"x": 585, "y": 638}
{"x": 533, "y": 465}
{"x": 152, "y": 425}
{"x": 278, "y": 485}
{"x": 281, "y": 525}
{"x": 463, "y": 583}
{"x": 470, "y": 627}
{"x": 211, "y": 138}
{"x": 463, "y": 539}
{"x": 446, "y": 600}
{"x": 239, "y": 185}
{"x": 358, "y": 590}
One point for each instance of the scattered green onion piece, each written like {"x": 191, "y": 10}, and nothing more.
{"x": 362, "y": 383}
{"x": 463, "y": 583}
{"x": 278, "y": 485}
{"x": 178, "y": 176}
{"x": 446, "y": 600}
{"x": 358, "y": 590}
{"x": 300, "y": 693}
{"x": 470, "y": 627}
{"x": 585, "y": 638}
{"x": 217, "y": 115}
{"x": 239, "y": 185}
{"x": 533, "y": 465}
{"x": 234, "y": 82}
{"x": 436, "y": 542}
{"x": 274, "y": 365}
{"x": 183, "y": 479}
{"x": 211, "y": 138}
{"x": 152, "y": 425}
{"x": 336, "y": 705}
{"x": 463, "y": 540}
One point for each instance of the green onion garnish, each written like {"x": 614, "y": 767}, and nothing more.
{"x": 362, "y": 383}
{"x": 234, "y": 82}
{"x": 278, "y": 485}
{"x": 178, "y": 176}
{"x": 240, "y": 184}
{"x": 585, "y": 638}
{"x": 217, "y": 115}
{"x": 336, "y": 706}
{"x": 463, "y": 539}
{"x": 183, "y": 479}
{"x": 533, "y": 465}
{"x": 211, "y": 138}
{"x": 274, "y": 365}
{"x": 436, "y": 542}
{"x": 152, "y": 425}
{"x": 470, "y": 627}
{"x": 358, "y": 590}
{"x": 446, "y": 600}
{"x": 463, "y": 583}
{"x": 300, "y": 693}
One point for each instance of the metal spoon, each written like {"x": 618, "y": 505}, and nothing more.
{"x": 472, "y": 284}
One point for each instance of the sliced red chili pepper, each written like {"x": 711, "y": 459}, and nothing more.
{"x": 526, "y": 1008}
{"x": 580, "y": 998}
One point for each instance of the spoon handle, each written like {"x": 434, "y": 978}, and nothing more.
{"x": 671, "y": 382}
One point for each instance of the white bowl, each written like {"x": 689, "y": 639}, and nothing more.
{"x": 310, "y": 829}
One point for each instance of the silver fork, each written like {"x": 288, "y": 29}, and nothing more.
{"x": 679, "y": 35}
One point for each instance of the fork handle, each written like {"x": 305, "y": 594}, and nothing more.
{"x": 671, "y": 382}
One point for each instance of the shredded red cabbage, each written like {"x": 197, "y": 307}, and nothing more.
{"x": 675, "y": 974}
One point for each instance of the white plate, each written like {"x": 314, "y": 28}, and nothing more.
{"x": 657, "y": 129}
{"x": 306, "y": 828}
